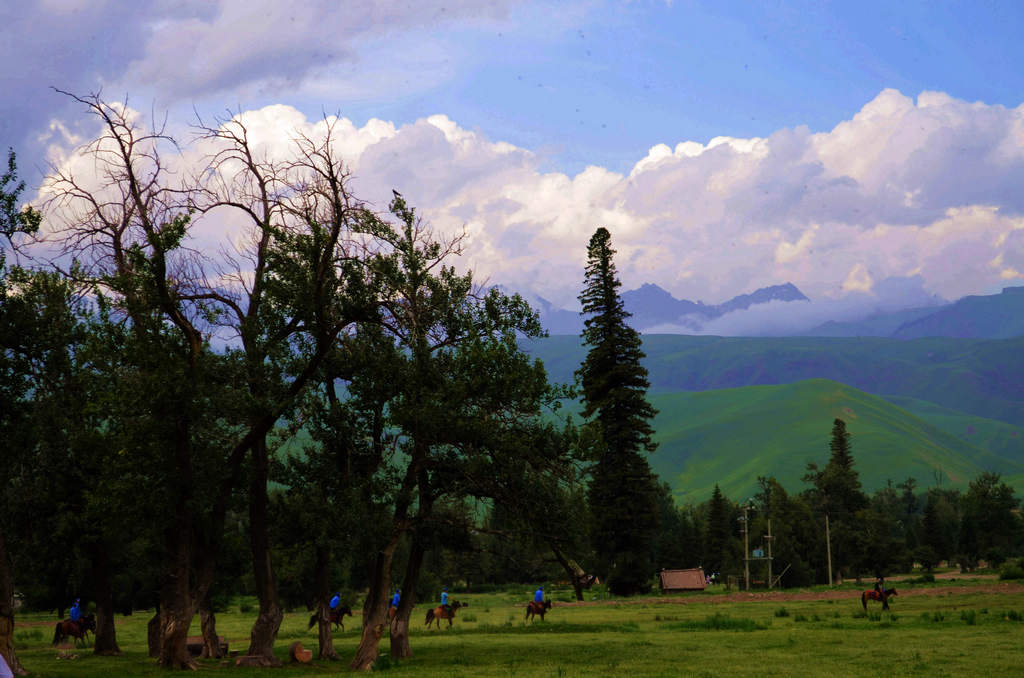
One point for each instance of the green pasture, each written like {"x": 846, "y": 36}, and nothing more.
{"x": 965, "y": 630}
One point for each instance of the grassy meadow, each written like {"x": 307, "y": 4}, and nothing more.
{"x": 963, "y": 627}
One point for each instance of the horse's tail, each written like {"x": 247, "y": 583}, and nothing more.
{"x": 864, "y": 600}
{"x": 57, "y": 634}
{"x": 312, "y": 621}
{"x": 430, "y": 616}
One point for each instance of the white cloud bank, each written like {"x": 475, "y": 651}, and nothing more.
{"x": 926, "y": 191}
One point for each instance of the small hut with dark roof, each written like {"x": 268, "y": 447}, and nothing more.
{"x": 674, "y": 581}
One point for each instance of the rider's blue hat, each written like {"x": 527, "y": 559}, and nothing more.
{"x": 445, "y": 588}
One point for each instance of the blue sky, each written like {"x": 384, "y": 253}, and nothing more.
{"x": 624, "y": 77}
{"x": 868, "y": 152}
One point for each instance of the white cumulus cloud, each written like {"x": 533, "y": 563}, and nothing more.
{"x": 924, "y": 190}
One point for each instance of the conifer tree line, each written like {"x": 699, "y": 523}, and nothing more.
{"x": 326, "y": 403}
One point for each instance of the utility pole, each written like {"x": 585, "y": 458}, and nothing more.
{"x": 828, "y": 550}
{"x": 746, "y": 546}
{"x": 769, "y": 538}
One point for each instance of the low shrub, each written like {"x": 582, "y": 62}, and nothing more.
{"x": 970, "y": 617}
{"x": 1011, "y": 570}
{"x": 782, "y": 612}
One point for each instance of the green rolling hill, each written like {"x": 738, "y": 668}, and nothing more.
{"x": 984, "y": 378}
{"x": 732, "y": 436}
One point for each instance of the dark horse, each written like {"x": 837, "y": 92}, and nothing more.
{"x": 880, "y": 597}
{"x": 440, "y": 612}
{"x": 334, "y": 616}
{"x": 535, "y": 608}
{"x": 77, "y": 629}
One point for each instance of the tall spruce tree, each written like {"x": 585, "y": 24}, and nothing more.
{"x": 837, "y": 493}
{"x": 623, "y": 493}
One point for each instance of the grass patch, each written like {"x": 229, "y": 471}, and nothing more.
{"x": 781, "y": 612}
{"x": 970, "y": 617}
{"x": 553, "y": 627}
{"x": 716, "y": 622}
{"x": 26, "y": 637}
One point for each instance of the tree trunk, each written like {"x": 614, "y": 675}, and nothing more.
{"x": 175, "y": 619}
{"x": 400, "y": 648}
{"x": 208, "y": 624}
{"x": 175, "y": 596}
{"x": 153, "y": 635}
{"x": 574, "y": 577}
{"x": 264, "y": 630}
{"x": 106, "y": 635}
{"x": 7, "y": 611}
{"x": 375, "y": 609}
{"x": 324, "y": 635}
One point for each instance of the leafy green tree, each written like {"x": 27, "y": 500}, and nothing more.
{"x": 798, "y": 545}
{"x": 15, "y": 386}
{"x": 623, "y": 491}
{"x": 669, "y": 548}
{"x": 941, "y": 522}
{"x": 307, "y": 284}
{"x": 718, "y": 533}
{"x": 882, "y": 539}
{"x": 990, "y": 516}
{"x": 466, "y": 412}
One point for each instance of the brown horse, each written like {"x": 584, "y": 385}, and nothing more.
{"x": 79, "y": 630}
{"x": 334, "y": 616}
{"x": 880, "y": 597}
{"x": 440, "y": 612}
{"x": 535, "y": 608}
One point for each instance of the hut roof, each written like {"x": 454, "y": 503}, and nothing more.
{"x": 682, "y": 580}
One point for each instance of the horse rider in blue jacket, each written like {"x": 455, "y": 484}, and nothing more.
{"x": 444, "y": 600}
{"x": 335, "y": 601}
{"x": 538, "y": 596}
{"x": 396, "y": 599}
{"x": 76, "y": 611}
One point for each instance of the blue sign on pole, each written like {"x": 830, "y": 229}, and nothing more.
{"x": 759, "y": 553}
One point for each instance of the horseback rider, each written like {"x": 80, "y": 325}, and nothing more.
{"x": 538, "y": 596}
{"x": 444, "y": 600}
{"x": 75, "y": 614}
{"x": 880, "y": 587}
{"x": 335, "y": 601}
{"x": 396, "y": 599}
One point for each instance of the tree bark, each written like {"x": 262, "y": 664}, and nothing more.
{"x": 264, "y": 630}
{"x": 208, "y": 624}
{"x": 324, "y": 635}
{"x": 7, "y": 611}
{"x": 375, "y": 609}
{"x": 400, "y": 647}
{"x": 176, "y": 617}
{"x": 176, "y": 606}
{"x": 106, "y": 634}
